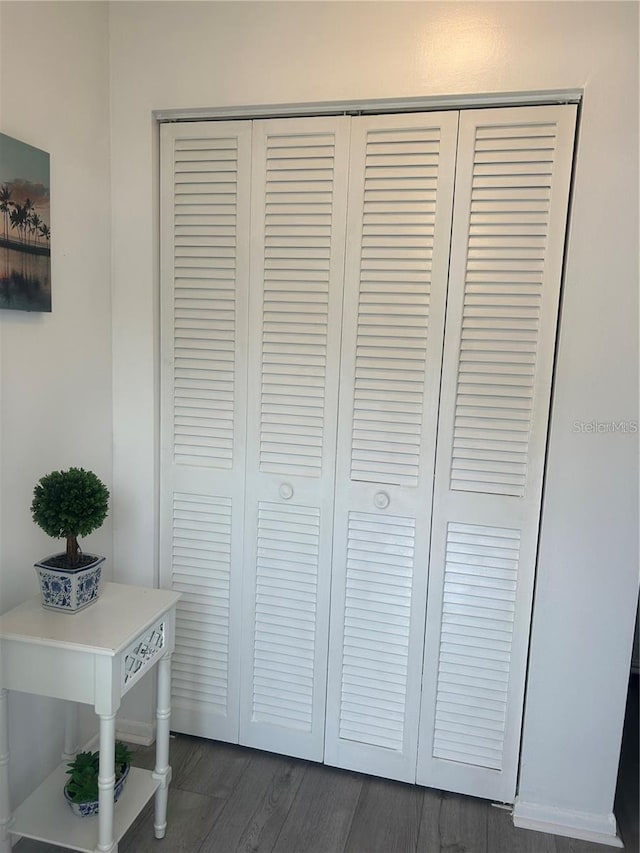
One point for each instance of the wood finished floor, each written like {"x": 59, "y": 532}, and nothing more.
{"x": 229, "y": 799}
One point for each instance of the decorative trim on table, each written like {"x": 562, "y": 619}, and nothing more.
{"x": 138, "y": 657}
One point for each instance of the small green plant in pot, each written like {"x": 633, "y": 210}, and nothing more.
{"x": 68, "y": 504}
{"x": 81, "y": 788}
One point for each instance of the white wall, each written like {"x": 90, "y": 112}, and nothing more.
{"x": 184, "y": 55}
{"x": 55, "y": 389}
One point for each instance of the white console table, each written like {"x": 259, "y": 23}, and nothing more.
{"x": 94, "y": 657}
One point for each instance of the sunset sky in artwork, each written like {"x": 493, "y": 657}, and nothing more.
{"x": 26, "y": 170}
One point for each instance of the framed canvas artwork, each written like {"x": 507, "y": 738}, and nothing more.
{"x": 25, "y": 233}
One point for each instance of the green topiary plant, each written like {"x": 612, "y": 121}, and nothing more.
{"x": 68, "y": 504}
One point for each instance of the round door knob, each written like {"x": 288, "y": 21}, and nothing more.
{"x": 286, "y": 491}
{"x": 381, "y": 500}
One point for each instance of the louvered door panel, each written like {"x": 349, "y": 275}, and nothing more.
{"x": 478, "y": 606}
{"x": 201, "y": 571}
{"x": 298, "y": 227}
{"x": 204, "y": 264}
{"x": 205, "y": 253}
{"x": 298, "y": 207}
{"x": 400, "y": 199}
{"x": 401, "y": 171}
{"x": 512, "y": 186}
{"x": 286, "y": 609}
{"x": 375, "y": 660}
{"x": 501, "y": 308}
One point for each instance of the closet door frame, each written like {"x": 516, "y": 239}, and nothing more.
{"x": 169, "y": 484}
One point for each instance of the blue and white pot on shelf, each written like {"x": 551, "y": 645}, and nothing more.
{"x": 69, "y": 590}
{"x": 91, "y": 808}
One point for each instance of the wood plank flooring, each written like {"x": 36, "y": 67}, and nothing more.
{"x": 229, "y": 799}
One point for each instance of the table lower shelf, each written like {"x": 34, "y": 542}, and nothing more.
{"x": 45, "y": 815}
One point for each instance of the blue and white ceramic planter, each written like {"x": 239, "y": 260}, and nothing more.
{"x": 69, "y": 590}
{"x": 88, "y": 809}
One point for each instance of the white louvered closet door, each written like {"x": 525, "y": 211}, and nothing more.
{"x": 298, "y": 227}
{"x": 400, "y": 199}
{"x": 512, "y": 186}
{"x": 205, "y": 253}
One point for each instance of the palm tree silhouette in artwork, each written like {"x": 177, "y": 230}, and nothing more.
{"x": 18, "y": 218}
{"x": 45, "y": 231}
{"x": 5, "y": 206}
{"x": 34, "y": 225}
{"x": 23, "y": 219}
{"x": 28, "y": 211}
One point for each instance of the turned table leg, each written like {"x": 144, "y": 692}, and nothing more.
{"x": 162, "y": 771}
{"x": 106, "y": 784}
{"x": 71, "y": 746}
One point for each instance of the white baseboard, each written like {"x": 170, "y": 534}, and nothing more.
{"x": 130, "y": 731}
{"x": 133, "y": 731}
{"x": 601, "y": 829}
